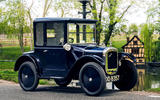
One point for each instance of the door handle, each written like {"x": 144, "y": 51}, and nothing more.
{"x": 45, "y": 51}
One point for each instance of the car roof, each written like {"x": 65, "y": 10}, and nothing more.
{"x": 69, "y": 20}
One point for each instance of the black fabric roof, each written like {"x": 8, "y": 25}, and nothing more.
{"x": 72, "y": 20}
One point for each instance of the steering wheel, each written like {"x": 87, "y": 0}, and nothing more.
{"x": 71, "y": 40}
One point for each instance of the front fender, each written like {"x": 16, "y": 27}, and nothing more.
{"x": 91, "y": 58}
{"x": 83, "y": 60}
{"x": 124, "y": 55}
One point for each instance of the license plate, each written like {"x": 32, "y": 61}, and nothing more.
{"x": 112, "y": 78}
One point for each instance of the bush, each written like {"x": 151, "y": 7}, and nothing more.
{"x": 156, "y": 51}
{"x": 9, "y": 75}
{"x": 7, "y": 65}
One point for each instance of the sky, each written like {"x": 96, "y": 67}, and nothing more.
{"x": 136, "y": 14}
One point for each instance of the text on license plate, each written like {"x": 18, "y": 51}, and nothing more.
{"x": 112, "y": 78}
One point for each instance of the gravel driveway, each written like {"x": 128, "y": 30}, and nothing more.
{"x": 12, "y": 91}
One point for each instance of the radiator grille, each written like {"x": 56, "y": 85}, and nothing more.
{"x": 112, "y": 60}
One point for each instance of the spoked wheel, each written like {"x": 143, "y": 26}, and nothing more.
{"x": 27, "y": 76}
{"x": 92, "y": 79}
{"x": 128, "y": 76}
{"x": 63, "y": 82}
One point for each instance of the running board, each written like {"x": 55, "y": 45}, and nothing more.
{"x": 51, "y": 77}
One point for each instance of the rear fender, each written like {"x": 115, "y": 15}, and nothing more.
{"x": 24, "y": 58}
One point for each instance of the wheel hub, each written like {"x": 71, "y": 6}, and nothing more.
{"x": 90, "y": 79}
{"x": 26, "y": 76}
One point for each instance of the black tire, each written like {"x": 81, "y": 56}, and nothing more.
{"x": 63, "y": 82}
{"x": 128, "y": 76}
{"x": 27, "y": 76}
{"x": 92, "y": 78}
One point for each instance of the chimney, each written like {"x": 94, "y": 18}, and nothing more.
{"x": 127, "y": 39}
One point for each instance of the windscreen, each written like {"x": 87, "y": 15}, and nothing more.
{"x": 81, "y": 33}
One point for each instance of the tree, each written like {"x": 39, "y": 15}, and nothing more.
{"x": 66, "y": 8}
{"x": 97, "y": 16}
{"x": 47, "y": 5}
{"x": 146, "y": 33}
{"x": 133, "y": 29}
{"x": 30, "y": 24}
{"x": 113, "y": 18}
{"x": 15, "y": 17}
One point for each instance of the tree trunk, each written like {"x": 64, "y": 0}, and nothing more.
{"x": 31, "y": 30}
{"x": 109, "y": 33}
{"x": 20, "y": 37}
{"x": 98, "y": 32}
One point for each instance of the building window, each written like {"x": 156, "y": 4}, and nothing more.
{"x": 140, "y": 61}
{"x": 135, "y": 50}
{"x": 135, "y": 43}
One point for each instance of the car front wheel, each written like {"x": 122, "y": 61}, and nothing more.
{"x": 92, "y": 78}
{"x": 27, "y": 76}
{"x": 128, "y": 76}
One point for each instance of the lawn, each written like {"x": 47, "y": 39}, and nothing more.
{"x": 118, "y": 45}
{"x": 11, "y": 53}
{"x": 154, "y": 90}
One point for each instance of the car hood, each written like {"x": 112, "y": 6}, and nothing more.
{"x": 89, "y": 50}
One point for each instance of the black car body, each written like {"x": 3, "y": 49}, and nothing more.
{"x": 61, "y": 50}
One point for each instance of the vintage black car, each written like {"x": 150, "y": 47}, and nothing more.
{"x": 65, "y": 49}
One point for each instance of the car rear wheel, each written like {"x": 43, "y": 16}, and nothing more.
{"x": 27, "y": 76}
{"x": 128, "y": 76}
{"x": 92, "y": 78}
{"x": 63, "y": 82}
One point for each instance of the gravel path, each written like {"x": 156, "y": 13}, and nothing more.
{"x": 12, "y": 91}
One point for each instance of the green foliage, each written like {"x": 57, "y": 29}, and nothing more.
{"x": 113, "y": 19}
{"x": 133, "y": 29}
{"x": 13, "y": 20}
{"x": 154, "y": 90}
{"x": 119, "y": 44}
{"x": 12, "y": 17}
{"x": 6, "y": 65}
{"x": 9, "y": 75}
{"x": 11, "y": 53}
{"x": 146, "y": 34}
{"x": 156, "y": 51}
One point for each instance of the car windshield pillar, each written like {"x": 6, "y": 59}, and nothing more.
{"x": 76, "y": 33}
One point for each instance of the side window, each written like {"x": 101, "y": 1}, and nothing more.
{"x": 55, "y": 34}
{"x": 39, "y": 34}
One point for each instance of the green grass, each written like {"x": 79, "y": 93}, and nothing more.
{"x": 119, "y": 44}
{"x": 154, "y": 90}
{"x": 6, "y": 65}
{"x": 9, "y": 75}
{"x": 11, "y": 53}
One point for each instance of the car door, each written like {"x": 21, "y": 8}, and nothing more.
{"x": 55, "y": 61}
{"x": 54, "y": 53}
